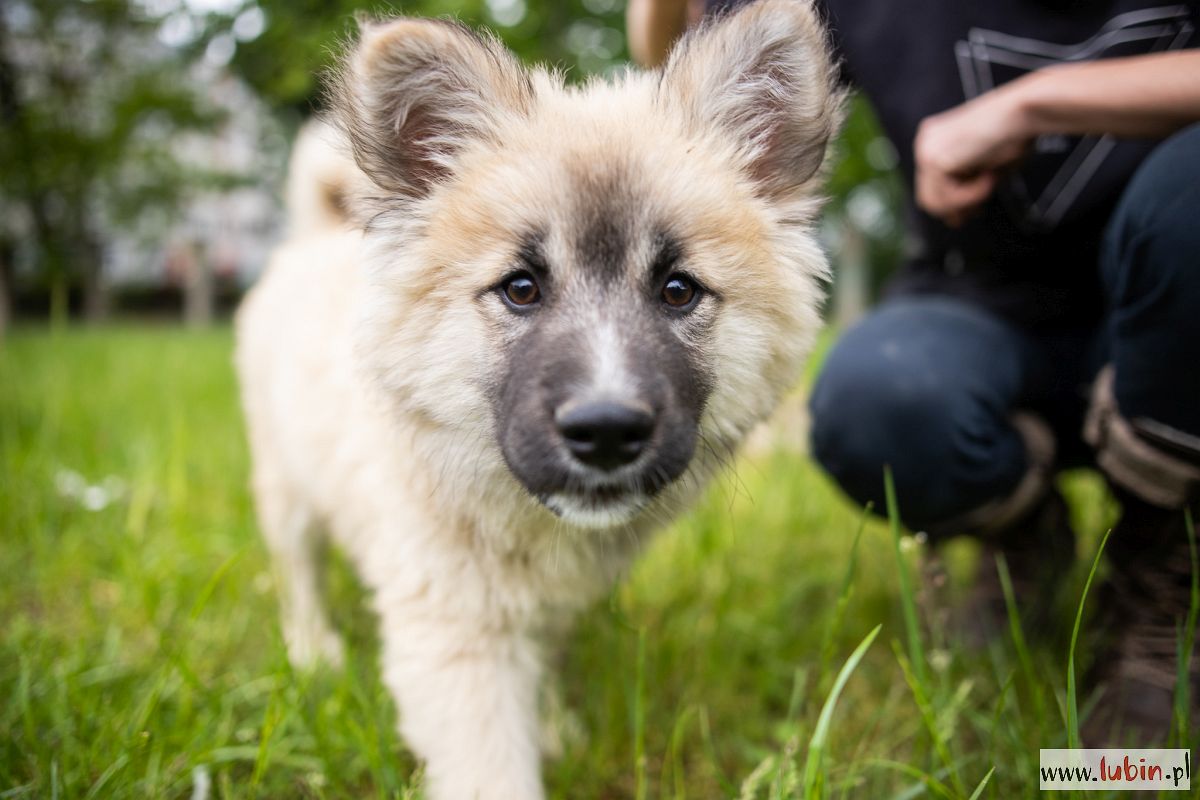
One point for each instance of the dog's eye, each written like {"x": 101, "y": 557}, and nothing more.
{"x": 680, "y": 292}
{"x": 521, "y": 290}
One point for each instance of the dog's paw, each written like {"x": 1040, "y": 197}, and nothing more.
{"x": 309, "y": 649}
{"x": 560, "y": 728}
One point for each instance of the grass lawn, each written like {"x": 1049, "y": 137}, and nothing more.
{"x": 140, "y": 652}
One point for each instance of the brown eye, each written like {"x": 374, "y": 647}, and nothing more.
{"x": 680, "y": 292}
{"x": 521, "y": 290}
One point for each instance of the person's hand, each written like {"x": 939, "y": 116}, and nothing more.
{"x": 961, "y": 153}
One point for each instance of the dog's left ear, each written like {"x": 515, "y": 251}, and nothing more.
{"x": 414, "y": 93}
{"x": 764, "y": 78}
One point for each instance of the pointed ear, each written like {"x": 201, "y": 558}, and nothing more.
{"x": 413, "y": 93}
{"x": 763, "y": 78}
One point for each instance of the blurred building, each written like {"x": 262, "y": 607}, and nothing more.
{"x": 220, "y": 238}
{"x": 136, "y": 166}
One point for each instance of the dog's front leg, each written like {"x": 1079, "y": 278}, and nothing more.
{"x": 467, "y": 694}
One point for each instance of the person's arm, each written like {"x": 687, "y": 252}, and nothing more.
{"x": 960, "y": 153}
{"x": 652, "y": 26}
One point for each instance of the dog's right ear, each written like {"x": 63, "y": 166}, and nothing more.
{"x": 763, "y": 76}
{"x": 414, "y": 93}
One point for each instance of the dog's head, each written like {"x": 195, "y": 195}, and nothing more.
{"x": 605, "y": 287}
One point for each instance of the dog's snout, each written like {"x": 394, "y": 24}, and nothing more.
{"x": 605, "y": 434}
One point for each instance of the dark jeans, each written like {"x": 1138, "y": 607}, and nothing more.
{"x": 928, "y": 384}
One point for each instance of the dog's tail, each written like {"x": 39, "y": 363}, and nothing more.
{"x": 322, "y": 180}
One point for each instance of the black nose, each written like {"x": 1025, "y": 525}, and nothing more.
{"x": 605, "y": 435}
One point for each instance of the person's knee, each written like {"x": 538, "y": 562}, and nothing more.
{"x": 1167, "y": 177}
{"x": 1152, "y": 236}
{"x": 923, "y": 386}
{"x": 868, "y": 415}
{"x": 1149, "y": 268}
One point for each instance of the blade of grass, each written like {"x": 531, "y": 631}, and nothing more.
{"x": 916, "y": 651}
{"x": 757, "y": 778}
{"x": 1187, "y": 643}
{"x": 677, "y": 773}
{"x": 929, "y": 717}
{"x": 639, "y": 718}
{"x": 271, "y": 722}
{"x": 998, "y": 711}
{"x": 214, "y": 580}
{"x": 930, "y": 782}
{"x": 785, "y": 774}
{"x": 975, "y": 795}
{"x": 1018, "y": 636}
{"x": 816, "y": 745}
{"x": 106, "y": 776}
{"x": 728, "y": 788}
{"x": 916, "y": 670}
{"x": 1072, "y": 692}
{"x": 799, "y": 682}
{"x": 839, "y": 611}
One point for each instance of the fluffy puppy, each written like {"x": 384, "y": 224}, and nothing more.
{"x": 564, "y": 307}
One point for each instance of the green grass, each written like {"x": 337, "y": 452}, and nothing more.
{"x": 140, "y": 650}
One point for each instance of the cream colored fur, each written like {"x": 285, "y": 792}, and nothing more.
{"x": 365, "y": 356}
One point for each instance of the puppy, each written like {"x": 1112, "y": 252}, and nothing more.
{"x": 564, "y": 307}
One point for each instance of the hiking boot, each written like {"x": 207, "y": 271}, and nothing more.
{"x": 1143, "y": 620}
{"x": 1038, "y": 550}
{"x": 1031, "y": 530}
{"x": 1154, "y": 472}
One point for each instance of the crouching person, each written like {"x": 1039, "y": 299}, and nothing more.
{"x": 1054, "y": 278}
{"x": 974, "y": 412}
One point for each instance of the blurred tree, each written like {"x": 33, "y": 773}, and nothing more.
{"x": 89, "y": 104}
{"x": 8, "y": 110}
{"x": 862, "y": 221}
{"x": 301, "y": 38}
{"x": 95, "y": 98}
{"x": 6, "y": 303}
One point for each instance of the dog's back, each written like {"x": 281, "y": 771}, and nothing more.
{"x": 295, "y": 315}
{"x": 321, "y": 181}
{"x": 298, "y": 386}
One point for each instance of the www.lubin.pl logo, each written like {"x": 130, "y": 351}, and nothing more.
{"x": 1109, "y": 769}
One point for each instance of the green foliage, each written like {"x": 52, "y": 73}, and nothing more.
{"x": 302, "y": 39}
{"x": 866, "y": 190}
{"x": 90, "y": 106}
